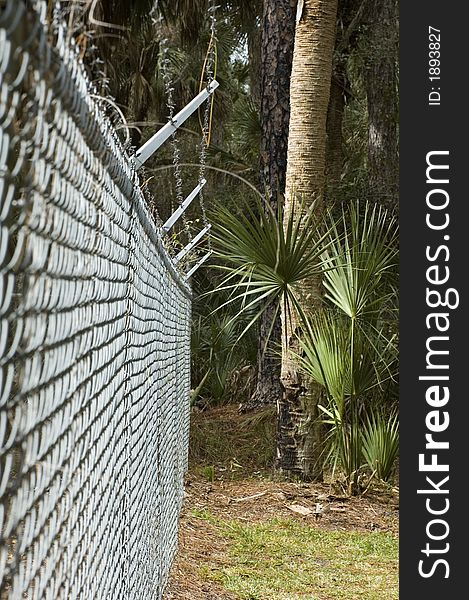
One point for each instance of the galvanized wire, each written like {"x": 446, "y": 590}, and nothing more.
{"x": 94, "y": 340}
{"x": 174, "y": 141}
{"x": 206, "y": 122}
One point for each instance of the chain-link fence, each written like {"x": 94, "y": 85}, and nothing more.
{"x": 94, "y": 340}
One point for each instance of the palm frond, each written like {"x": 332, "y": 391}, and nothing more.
{"x": 380, "y": 440}
{"x": 246, "y": 126}
{"x": 358, "y": 262}
{"x": 348, "y": 367}
{"x": 263, "y": 261}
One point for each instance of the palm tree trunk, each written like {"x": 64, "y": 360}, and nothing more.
{"x": 278, "y": 34}
{"x": 299, "y": 433}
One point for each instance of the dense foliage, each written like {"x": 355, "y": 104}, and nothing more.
{"x": 154, "y": 59}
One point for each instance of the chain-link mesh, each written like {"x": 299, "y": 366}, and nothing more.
{"x": 94, "y": 340}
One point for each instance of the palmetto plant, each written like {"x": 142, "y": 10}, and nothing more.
{"x": 215, "y": 355}
{"x": 246, "y": 126}
{"x": 360, "y": 261}
{"x": 264, "y": 262}
{"x": 380, "y": 442}
{"x": 350, "y": 346}
{"x": 217, "y": 360}
{"x": 344, "y": 445}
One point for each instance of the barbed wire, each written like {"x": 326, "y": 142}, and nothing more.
{"x": 209, "y": 74}
{"x": 174, "y": 141}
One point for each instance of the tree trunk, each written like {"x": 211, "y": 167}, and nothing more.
{"x": 254, "y": 36}
{"x": 299, "y": 433}
{"x": 381, "y": 91}
{"x": 268, "y": 386}
{"x": 278, "y": 34}
{"x": 335, "y": 138}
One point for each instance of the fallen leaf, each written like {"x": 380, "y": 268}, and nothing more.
{"x": 253, "y": 497}
{"x": 298, "y": 508}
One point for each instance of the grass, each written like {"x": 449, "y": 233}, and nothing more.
{"x": 290, "y": 560}
{"x": 240, "y": 540}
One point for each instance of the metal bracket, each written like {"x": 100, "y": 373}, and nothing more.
{"x": 178, "y": 212}
{"x": 197, "y": 265}
{"x": 160, "y": 137}
{"x": 191, "y": 244}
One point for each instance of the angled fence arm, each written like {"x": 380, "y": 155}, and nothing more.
{"x": 157, "y": 140}
{"x": 197, "y": 265}
{"x": 191, "y": 244}
{"x": 179, "y": 211}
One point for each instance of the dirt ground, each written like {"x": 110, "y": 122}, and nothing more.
{"x": 253, "y": 500}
